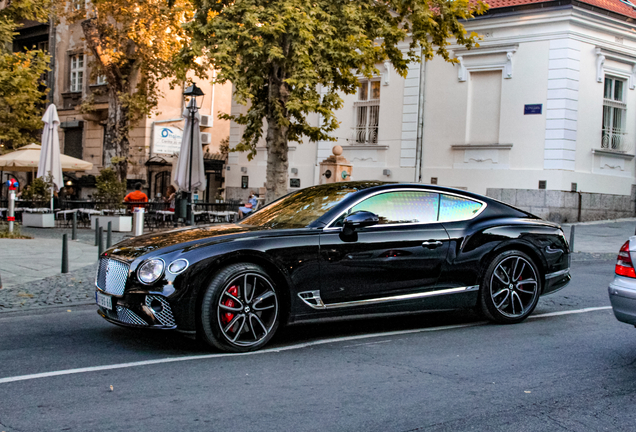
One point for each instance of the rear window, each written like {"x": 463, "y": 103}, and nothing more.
{"x": 453, "y": 208}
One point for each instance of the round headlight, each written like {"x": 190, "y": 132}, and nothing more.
{"x": 150, "y": 271}
{"x": 178, "y": 266}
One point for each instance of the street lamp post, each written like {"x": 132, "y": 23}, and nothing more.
{"x": 192, "y": 92}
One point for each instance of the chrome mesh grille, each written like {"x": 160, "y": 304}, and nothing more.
{"x": 112, "y": 276}
{"x": 165, "y": 316}
{"x": 125, "y": 315}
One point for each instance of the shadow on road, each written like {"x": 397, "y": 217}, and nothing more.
{"x": 173, "y": 343}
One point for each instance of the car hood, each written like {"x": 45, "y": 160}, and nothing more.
{"x": 181, "y": 238}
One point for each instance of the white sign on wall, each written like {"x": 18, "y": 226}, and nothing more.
{"x": 166, "y": 139}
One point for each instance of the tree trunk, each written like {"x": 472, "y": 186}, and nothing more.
{"x": 116, "y": 145}
{"x": 276, "y": 139}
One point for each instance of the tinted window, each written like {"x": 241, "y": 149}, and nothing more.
{"x": 455, "y": 208}
{"x": 299, "y": 209}
{"x": 401, "y": 207}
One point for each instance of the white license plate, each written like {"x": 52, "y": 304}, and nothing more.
{"x": 104, "y": 300}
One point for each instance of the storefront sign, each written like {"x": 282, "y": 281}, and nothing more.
{"x": 166, "y": 140}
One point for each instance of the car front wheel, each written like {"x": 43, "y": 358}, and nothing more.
{"x": 510, "y": 289}
{"x": 240, "y": 309}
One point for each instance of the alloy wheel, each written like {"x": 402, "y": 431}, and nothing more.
{"x": 247, "y": 310}
{"x": 513, "y": 286}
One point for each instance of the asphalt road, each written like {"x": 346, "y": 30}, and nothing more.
{"x": 444, "y": 371}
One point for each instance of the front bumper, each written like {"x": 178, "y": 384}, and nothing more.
{"x": 622, "y": 294}
{"x": 139, "y": 310}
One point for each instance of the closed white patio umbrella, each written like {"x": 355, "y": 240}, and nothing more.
{"x": 191, "y": 143}
{"x": 49, "y": 163}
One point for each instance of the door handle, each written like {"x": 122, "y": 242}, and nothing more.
{"x": 432, "y": 245}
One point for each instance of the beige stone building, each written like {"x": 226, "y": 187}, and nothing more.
{"x": 153, "y": 142}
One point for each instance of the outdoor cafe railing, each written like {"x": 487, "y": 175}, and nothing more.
{"x": 126, "y": 208}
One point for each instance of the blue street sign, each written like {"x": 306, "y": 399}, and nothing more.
{"x": 532, "y": 109}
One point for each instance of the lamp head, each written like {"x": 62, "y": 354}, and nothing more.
{"x": 193, "y": 92}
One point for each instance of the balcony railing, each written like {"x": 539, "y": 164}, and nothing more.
{"x": 616, "y": 140}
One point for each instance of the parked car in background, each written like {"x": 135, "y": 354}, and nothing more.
{"x": 622, "y": 290}
{"x": 332, "y": 251}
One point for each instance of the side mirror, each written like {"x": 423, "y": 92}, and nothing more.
{"x": 360, "y": 219}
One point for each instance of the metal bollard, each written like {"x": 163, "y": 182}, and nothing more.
{"x": 0, "y": 281}
{"x": 138, "y": 221}
{"x": 100, "y": 243}
{"x": 64, "y": 253}
{"x": 11, "y": 210}
{"x": 74, "y": 231}
{"x": 96, "y": 231}
{"x": 572, "y": 230}
{"x": 109, "y": 234}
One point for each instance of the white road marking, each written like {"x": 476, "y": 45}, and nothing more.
{"x": 570, "y": 312}
{"x": 272, "y": 350}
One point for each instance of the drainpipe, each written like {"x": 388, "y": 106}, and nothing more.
{"x": 580, "y": 201}
{"x": 419, "y": 146}
{"x": 52, "y": 74}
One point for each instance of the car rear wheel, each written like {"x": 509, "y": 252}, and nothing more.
{"x": 510, "y": 289}
{"x": 240, "y": 309}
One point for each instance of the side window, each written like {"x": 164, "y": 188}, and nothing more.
{"x": 454, "y": 208}
{"x": 402, "y": 207}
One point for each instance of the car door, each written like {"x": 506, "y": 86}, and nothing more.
{"x": 400, "y": 255}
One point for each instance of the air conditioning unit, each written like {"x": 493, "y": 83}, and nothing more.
{"x": 206, "y": 121}
{"x": 206, "y": 138}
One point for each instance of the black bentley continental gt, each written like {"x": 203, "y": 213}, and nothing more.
{"x": 332, "y": 251}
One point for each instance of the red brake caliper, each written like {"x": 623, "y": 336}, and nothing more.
{"x": 227, "y": 316}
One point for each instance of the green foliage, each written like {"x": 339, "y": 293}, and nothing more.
{"x": 224, "y": 147}
{"x": 39, "y": 191}
{"x": 22, "y": 92}
{"x": 110, "y": 191}
{"x": 290, "y": 58}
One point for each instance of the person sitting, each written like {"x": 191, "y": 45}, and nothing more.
{"x": 249, "y": 207}
{"x": 136, "y": 196}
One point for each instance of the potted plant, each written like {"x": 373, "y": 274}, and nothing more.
{"x": 110, "y": 196}
{"x": 39, "y": 193}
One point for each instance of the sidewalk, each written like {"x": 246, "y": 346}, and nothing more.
{"x": 23, "y": 261}
{"x": 601, "y": 237}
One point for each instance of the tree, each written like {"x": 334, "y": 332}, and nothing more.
{"x": 278, "y": 54}
{"x": 22, "y": 92}
{"x": 134, "y": 44}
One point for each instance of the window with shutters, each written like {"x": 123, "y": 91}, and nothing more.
{"x": 367, "y": 112}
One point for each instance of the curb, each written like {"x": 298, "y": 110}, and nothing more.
{"x": 43, "y": 308}
{"x": 600, "y": 222}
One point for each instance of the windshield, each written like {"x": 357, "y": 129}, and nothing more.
{"x": 299, "y": 209}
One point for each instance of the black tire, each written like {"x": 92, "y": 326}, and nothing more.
{"x": 240, "y": 309}
{"x": 510, "y": 288}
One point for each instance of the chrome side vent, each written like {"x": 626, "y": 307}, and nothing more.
{"x": 312, "y": 299}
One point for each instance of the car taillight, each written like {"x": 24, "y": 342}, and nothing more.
{"x": 624, "y": 266}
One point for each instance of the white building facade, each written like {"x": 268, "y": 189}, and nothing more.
{"x": 547, "y": 102}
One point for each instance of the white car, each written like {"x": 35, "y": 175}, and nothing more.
{"x": 622, "y": 290}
